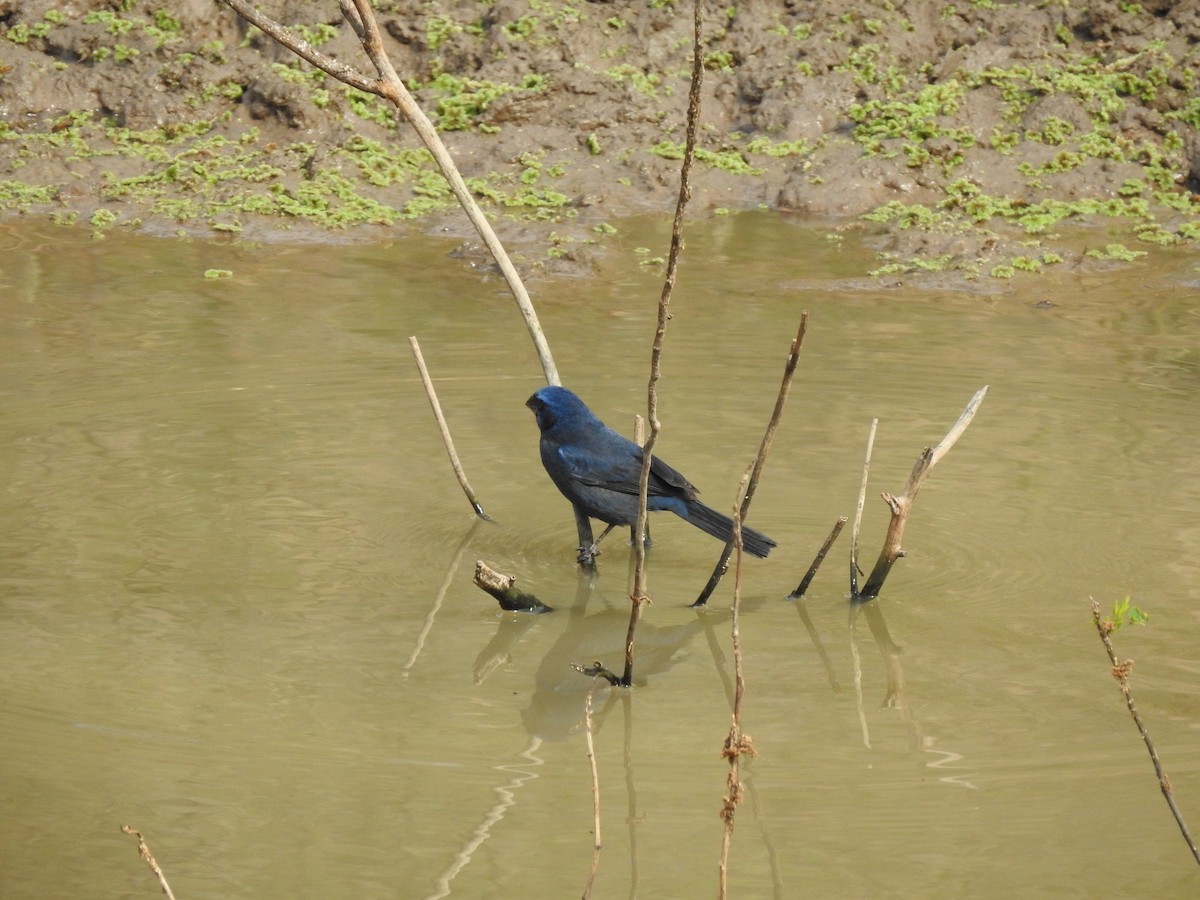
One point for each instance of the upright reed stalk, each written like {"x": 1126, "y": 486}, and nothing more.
{"x": 638, "y": 596}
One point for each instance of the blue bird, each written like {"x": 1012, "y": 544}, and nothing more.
{"x": 598, "y": 470}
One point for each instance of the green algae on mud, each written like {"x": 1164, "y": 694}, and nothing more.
{"x": 962, "y": 135}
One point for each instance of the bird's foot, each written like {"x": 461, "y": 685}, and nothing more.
{"x": 646, "y": 542}
{"x": 587, "y": 556}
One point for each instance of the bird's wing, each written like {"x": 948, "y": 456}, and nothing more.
{"x": 621, "y": 471}
{"x": 614, "y": 468}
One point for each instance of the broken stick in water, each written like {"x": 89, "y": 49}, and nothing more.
{"x": 901, "y": 506}
{"x": 503, "y": 588}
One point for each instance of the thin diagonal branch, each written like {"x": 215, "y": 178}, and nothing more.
{"x": 144, "y": 853}
{"x": 802, "y": 587}
{"x": 455, "y": 463}
{"x": 1120, "y": 671}
{"x": 303, "y": 48}
{"x": 390, "y": 86}
{"x": 789, "y": 370}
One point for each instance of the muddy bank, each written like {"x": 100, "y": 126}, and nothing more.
{"x": 962, "y": 135}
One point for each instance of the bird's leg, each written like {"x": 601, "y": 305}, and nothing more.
{"x": 594, "y": 550}
{"x": 587, "y": 545}
{"x": 633, "y": 534}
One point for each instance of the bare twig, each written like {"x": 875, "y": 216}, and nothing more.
{"x": 802, "y": 587}
{"x": 591, "y": 753}
{"x": 503, "y": 588}
{"x": 445, "y": 429}
{"x": 144, "y": 853}
{"x": 736, "y": 742}
{"x": 858, "y": 510}
{"x": 1120, "y": 671}
{"x": 598, "y": 670}
{"x": 902, "y": 505}
{"x": 390, "y": 86}
{"x": 789, "y": 370}
{"x": 638, "y": 596}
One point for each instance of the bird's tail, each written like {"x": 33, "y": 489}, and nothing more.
{"x": 720, "y": 526}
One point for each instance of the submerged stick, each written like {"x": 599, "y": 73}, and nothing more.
{"x": 638, "y": 597}
{"x": 1120, "y": 671}
{"x": 598, "y": 670}
{"x": 902, "y": 505}
{"x": 390, "y": 87}
{"x": 503, "y": 588}
{"x": 459, "y": 472}
{"x": 789, "y": 370}
{"x": 817, "y": 560}
{"x": 855, "y": 569}
{"x": 144, "y": 853}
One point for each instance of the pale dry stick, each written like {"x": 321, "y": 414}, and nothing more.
{"x": 789, "y": 370}
{"x": 389, "y": 86}
{"x": 858, "y": 510}
{"x": 638, "y": 597}
{"x": 591, "y": 753}
{"x": 455, "y": 463}
{"x": 144, "y": 853}
{"x": 802, "y": 587}
{"x": 902, "y": 505}
{"x": 1120, "y": 671}
{"x": 736, "y": 742}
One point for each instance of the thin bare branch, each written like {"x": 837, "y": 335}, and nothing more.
{"x": 1120, "y": 671}
{"x": 737, "y": 743}
{"x": 802, "y": 587}
{"x": 956, "y": 430}
{"x": 789, "y": 370}
{"x": 390, "y": 86}
{"x": 144, "y": 853}
{"x": 858, "y": 509}
{"x": 303, "y": 48}
{"x": 638, "y": 596}
{"x": 455, "y": 463}
{"x": 901, "y": 506}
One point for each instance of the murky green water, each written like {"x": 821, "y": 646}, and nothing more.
{"x": 236, "y": 607}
